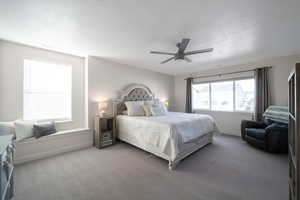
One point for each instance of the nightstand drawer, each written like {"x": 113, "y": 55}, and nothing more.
{"x": 106, "y": 143}
{"x": 107, "y": 136}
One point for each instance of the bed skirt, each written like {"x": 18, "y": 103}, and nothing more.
{"x": 186, "y": 150}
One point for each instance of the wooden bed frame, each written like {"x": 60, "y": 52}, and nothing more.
{"x": 140, "y": 92}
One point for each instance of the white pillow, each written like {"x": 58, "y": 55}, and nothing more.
{"x": 134, "y": 108}
{"x": 7, "y": 128}
{"x": 24, "y": 129}
{"x": 149, "y": 102}
{"x": 163, "y": 106}
{"x": 158, "y": 110}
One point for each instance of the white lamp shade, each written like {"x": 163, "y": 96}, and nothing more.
{"x": 167, "y": 103}
{"x": 102, "y": 107}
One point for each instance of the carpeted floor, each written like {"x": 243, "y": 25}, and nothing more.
{"x": 227, "y": 169}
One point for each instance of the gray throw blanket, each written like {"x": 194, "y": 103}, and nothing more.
{"x": 277, "y": 114}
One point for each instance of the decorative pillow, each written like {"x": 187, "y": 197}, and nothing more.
{"x": 147, "y": 109}
{"x": 43, "y": 128}
{"x": 134, "y": 108}
{"x": 158, "y": 110}
{"x": 24, "y": 129}
{"x": 7, "y": 128}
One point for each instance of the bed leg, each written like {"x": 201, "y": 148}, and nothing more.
{"x": 172, "y": 165}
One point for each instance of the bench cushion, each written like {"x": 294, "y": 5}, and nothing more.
{"x": 7, "y": 128}
{"x": 57, "y": 143}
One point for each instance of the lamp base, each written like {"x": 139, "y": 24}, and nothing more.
{"x": 102, "y": 114}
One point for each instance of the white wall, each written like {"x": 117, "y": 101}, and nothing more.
{"x": 107, "y": 79}
{"x": 229, "y": 122}
{"x": 12, "y": 56}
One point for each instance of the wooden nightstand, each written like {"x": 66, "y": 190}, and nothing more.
{"x": 105, "y": 134}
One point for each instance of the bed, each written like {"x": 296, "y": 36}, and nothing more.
{"x": 172, "y": 137}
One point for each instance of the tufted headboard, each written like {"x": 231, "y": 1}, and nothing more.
{"x": 133, "y": 92}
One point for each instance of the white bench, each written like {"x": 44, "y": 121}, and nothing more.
{"x": 60, "y": 142}
{"x": 63, "y": 141}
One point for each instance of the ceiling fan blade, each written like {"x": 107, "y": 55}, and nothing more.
{"x": 164, "y": 53}
{"x": 187, "y": 59}
{"x": 199, "y": 51}
{"x": 183, "y": 44}
{"x": 169, "y": 59}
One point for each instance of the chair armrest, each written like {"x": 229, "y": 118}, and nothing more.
{"x": 250, "y": 124}
{"x": 276, "y": 128}
{"x": 277, "y": 138}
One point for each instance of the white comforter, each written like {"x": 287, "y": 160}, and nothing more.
{"x": 166, "y": 132}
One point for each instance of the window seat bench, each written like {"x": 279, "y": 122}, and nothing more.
{"x": 63, "y": 141}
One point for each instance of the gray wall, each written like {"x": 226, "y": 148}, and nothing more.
{"x": 12, "y": 56}
{"x": 107, "y": 79}
{"x": 229, "y": 122}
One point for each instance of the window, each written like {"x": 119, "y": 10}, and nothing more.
{"x": 47, "y": 91}
{"x": 244, "y": 95}
{"x": 201, "y": 96}
{"x": 235, "y": 95}
{"x": 221, "y": 96}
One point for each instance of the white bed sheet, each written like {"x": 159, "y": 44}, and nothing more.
{"x": 166, "y": 133}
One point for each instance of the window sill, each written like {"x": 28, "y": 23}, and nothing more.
{"x": 57, "y": 121}
{"x": 63, "y": 121}
{"x": 224, "y": 111}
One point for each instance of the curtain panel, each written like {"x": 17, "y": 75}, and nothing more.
{"x": 262, "y": 92}
{"x": 188, "y": 102}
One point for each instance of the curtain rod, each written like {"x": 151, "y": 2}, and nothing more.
{"x": 227, "y": 73}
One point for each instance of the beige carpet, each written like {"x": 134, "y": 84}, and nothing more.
{"x": 227, "y": 169}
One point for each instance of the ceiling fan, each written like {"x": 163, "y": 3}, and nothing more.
{"x": 181, "y": 54}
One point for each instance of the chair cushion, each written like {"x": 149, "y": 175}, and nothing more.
{"x": 267, "y": 122}
{"x": 257, "y": 133}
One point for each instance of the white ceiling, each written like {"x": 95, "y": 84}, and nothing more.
{"x": 126, "y": 30}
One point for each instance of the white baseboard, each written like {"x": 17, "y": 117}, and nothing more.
{"x": 33, "y": 149}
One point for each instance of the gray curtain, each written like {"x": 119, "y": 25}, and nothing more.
{"x": 188, "y": 102}
{"x": 262, "y": 92}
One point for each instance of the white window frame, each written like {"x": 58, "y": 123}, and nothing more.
{"x": 234, "y": 100}
{"x": 57, "y": 120}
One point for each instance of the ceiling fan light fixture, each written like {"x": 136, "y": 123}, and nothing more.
{"x": 180, "y": 55}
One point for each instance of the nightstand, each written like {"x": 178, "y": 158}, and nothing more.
{"x": 104, "y": 131}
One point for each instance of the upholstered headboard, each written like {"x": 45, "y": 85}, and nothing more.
{"x": 133, "y": 92}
